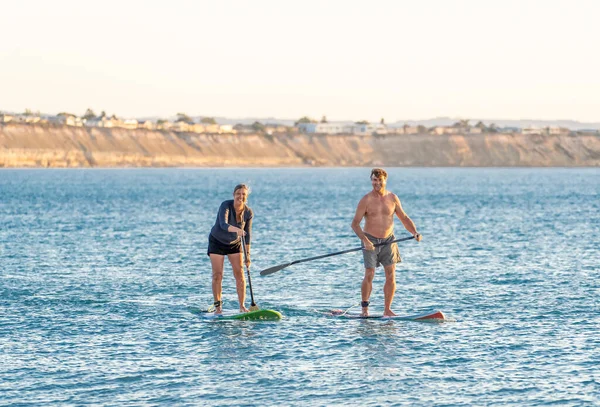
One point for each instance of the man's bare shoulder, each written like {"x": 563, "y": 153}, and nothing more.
{"x": 392, "y": 196}
{"x": 366, "y": 197}
{"x": 363, "y": 203}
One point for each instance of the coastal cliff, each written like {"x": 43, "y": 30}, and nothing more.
{"x": 23, "y": 145}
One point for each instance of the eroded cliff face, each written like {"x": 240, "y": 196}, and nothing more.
{"x": 48, "y": 146}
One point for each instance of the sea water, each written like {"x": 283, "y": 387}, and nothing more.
{"x": 104, "y": 272}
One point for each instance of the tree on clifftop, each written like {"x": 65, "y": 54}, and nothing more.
{"x": 462, "y": 124}
{"x": 182, "y": 117}
{"x": 89, "y": 114}
{"x": 258, "y": 127}
{"x": 324, "y": 119}
{"x": 208, "y": 120}
{"x": 362, "y": 122}
{"x": 304, "y": 119}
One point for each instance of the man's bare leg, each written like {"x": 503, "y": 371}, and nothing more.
{"x": 240, "y": 279}
{"x": 389, "y": 289}
{"x": 366, "y": 288}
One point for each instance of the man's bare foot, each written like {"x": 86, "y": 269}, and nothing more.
{"x": 365, "y": 312}
{"x": 389, "y": 313}
{"x": 218, "y": 311}
{"x": 243, "y": 309}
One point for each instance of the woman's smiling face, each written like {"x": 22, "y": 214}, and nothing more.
{"x": 240, "y": 196}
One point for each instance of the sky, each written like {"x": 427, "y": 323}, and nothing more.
{"x": 346, "y": 59}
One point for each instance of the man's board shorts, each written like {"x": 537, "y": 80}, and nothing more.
{"x": 382, "y": 255}
{"x": 216, "y": 247}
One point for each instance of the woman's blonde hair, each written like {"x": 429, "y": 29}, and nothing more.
{"x": 240, "y": 186}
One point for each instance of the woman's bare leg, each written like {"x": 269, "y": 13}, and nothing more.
{"x": 240, "y": 279}
{"x": 216, "y": 261}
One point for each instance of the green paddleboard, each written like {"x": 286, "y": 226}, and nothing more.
{"x": 260, "y": 315}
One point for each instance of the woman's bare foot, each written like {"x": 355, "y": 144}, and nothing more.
{"x": 218, "y": 310}
{"x": 365, "y": 312}
{"x": 389, "y": 313}
{"x": 243, "y": 309}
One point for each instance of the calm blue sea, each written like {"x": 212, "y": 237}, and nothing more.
{"x": 101, "y": 271}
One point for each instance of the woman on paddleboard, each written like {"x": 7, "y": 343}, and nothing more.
{"x": 234, "y": 223}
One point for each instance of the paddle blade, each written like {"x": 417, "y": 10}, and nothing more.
{"x": 254, "y": 308}
{"x": 274, "y": 269}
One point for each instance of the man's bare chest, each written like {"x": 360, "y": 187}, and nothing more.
{"x": 380, "y": 208}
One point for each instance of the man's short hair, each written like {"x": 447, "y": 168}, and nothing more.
{"x": 378, "y": 173}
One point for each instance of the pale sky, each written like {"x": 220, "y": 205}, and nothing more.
{"x": 348, "y": 60}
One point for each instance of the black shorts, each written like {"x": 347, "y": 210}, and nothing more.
{"x": 216, "y": 247}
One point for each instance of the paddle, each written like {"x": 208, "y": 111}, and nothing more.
{"x": 253, "y": 306}
{"x": 275, "y": 269}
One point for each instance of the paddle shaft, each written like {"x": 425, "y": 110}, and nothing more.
{"x": 272, "y": 270}
{"x": 247, "y": 268}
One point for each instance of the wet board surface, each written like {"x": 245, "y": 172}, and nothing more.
{"x": 259, "y": 315}
{"x": 429, "y": 316}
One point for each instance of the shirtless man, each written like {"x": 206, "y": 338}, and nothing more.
{"x": 378, "y": 208}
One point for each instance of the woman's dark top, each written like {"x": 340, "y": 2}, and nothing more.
{"x": 225, "y": 218}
